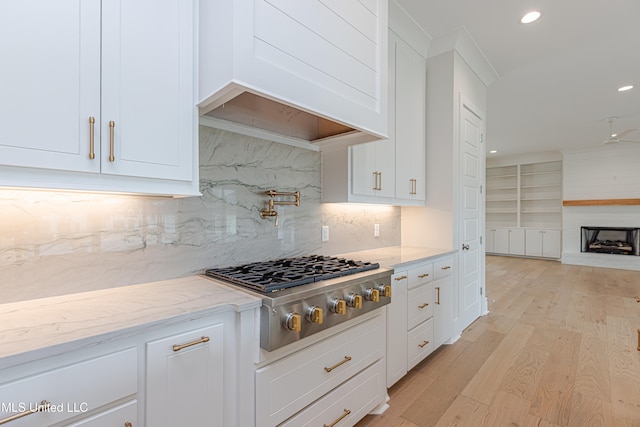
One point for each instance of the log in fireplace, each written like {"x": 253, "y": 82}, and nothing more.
{"x": 611, "y": 240}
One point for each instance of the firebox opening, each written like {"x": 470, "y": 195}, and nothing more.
{"x": 611, "y": 240}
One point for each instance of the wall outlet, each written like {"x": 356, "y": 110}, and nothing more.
{"x": 325, "y": 233}
{"x": 376, "y": 230}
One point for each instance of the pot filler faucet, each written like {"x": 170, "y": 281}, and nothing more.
{"x": 265, "y": 213}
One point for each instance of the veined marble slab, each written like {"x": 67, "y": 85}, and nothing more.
{"x": 397, "y": 256}
{"x": 36, "y": 329}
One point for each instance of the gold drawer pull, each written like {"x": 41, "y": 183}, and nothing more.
{"x": 425, "y": 342}
{"x": 92, "y": 152}
{"x": 112, "y": 125}
{"x": 178, "y": 347}
{"x": 446, "y": 267}
{"x": 346, "y": 412}
{"x": 43, "y": 406}
{"x": 346, "y": 359}
{"x": 400, "y": 278}
{"x": 438, "y": 292}
{"x": 422, "y": 276}
{"x": 426, "y": 304}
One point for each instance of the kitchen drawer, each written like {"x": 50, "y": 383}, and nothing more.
{"x": 419, "y": 343}
{"x": 442, "y": 268}
{"x": 117, "y": 416}
{"x": 420, "y": 275}
{"x": 72, "y": 389}
{"x": 348, "y": 403}
{"x": 419, "y": 305}
{"x": 285, "y": 387}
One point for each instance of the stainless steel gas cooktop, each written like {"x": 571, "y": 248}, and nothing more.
{"x": 305, "y": 295}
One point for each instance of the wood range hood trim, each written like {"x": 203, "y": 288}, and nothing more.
{"x": 602, "y": 202}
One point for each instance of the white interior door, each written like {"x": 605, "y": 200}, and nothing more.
{"x": 470, "y": 274}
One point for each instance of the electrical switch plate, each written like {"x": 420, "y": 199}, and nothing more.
{"x": 325, "y": 233}
{"x": 376, "y": 230}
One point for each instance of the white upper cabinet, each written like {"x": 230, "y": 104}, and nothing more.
{"x": 410, "y": 116}
{"x": 98, "y": 90}
{"x": 148, "y": 88}
{"x": 50, "y": 83}
{"x": 389, "y": 171}
{"x": 327, "y": 58}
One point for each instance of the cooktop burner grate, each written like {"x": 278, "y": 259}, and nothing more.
{"x": 272, "y": 276}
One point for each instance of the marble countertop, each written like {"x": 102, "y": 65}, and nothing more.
{"x": 397, "y": 257}
{"x": 36, "y": 329}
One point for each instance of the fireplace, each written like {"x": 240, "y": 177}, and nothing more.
{"x": 611, "y": 240}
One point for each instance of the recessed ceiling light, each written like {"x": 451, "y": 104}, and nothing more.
{"x": 493, "y": 151}
{"x": 623, "y": 88}
{"x": 530, "y": 17}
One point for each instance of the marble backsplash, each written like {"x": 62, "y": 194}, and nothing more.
{"x": 55, "y": 243}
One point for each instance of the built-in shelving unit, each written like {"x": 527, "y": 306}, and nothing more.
{"x": 524, "y": 205}
{"x": 502, "y": 196}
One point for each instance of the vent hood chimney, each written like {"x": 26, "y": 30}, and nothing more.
{"x": 297, "y": 69}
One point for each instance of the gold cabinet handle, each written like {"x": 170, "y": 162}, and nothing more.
{"x": 42, "y": 406}
{"x": 128, "y": 424}
{"x": 446, "y": 267}
{"x": 422, "y": 276}
{"x": 400, "y": 278}
{"x": 426, "y": 304}
{"x": 375, "y": 181}
{"x": 413, "y": 186}
{"x": 346, "y": 412}
{"x": 438, "y": 299}
{"x": 425, "y": 342}
{"x": 178, "y": 347}
{"x": 112, "y": 126}
{"x": 380, "y": 181}
{"x": 342, "y": 362}
{"x": 92, "y": 151}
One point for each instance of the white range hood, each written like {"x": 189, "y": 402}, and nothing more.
{"x": 312, "y": 71}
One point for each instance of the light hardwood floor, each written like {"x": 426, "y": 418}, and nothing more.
{"x": 558, "y": 348}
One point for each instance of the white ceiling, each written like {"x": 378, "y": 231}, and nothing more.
{"x": 558, "y": 77}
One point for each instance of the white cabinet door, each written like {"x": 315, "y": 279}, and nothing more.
{"x": 49, "y": 83}
{"x": 363, "y": 169}
{"x": 551, "y": 243}
{"x": 516, "y": 241}
{"x": 501, "y": 240}
{"x": 397, "y": 329}
{"x": 443, "y": 315}
{"x": 147, "y": 88}
{"x": 533, "y": 242}
{"x": 185, "y": 379}
{"x": 408, "y": 109}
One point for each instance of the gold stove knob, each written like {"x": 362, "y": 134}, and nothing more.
{"x": 314, "y": 315}
{"x": 372, "y": 295}
{"x": 354, "y": 300}
{"x": 338, "y": 306}
{"x": 293, "y": 322}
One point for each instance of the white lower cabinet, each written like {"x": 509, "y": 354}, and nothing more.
{"x": 112, "y": 417}
{"x": 185, "y": 379}
{"x": 69, "y": 388}
{"x": 420, "y": 316}
{"x": 543, "y": 243}
{"x": 305, "y": 386}
{"x": 444, "y": 308}
{"x": 503, "y": 240}
{"x": 347, "y": 404}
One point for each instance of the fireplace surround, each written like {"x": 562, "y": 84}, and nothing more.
{"x": 610, "y": 240}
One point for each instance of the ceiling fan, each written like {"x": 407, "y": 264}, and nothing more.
{"x": 618, "y": 137}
